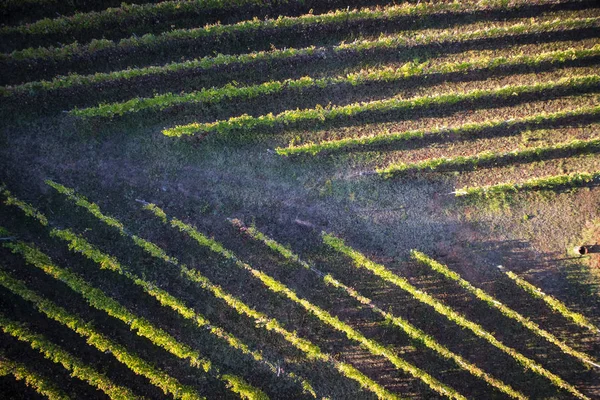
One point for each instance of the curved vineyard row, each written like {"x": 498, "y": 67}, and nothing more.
{"x": 360, "y": 261}
{"x": 58, "y": 355}
{"x": 412, "y": 331}
{"x": 364, "y": 77}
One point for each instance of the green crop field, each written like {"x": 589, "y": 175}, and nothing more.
{"x": 300, "y": 199}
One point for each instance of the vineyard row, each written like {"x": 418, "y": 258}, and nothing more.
{"x": 360, "y": 261}
{"x": 469, "y": 129}
{"x": 99, "y": 300}
{"x": 487, "y": 158}
{"x": 359, "y": 47}
{"x": 319, "y": 114}
{"x": 554, "y": 182}
{"x": 412, "y": 331}
{"x": 232, "y": 92}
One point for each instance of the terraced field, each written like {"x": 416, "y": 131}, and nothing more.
{"x": 294, "y": 199}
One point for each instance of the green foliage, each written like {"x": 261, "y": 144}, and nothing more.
{"x": 462, "y": 130}
{"x": 26, "y": 208}
{"x": 209, "y": 32}
{"x": 488, "y": 158}
{"x": 156, "y": 211}
{"x": 39, "y": 383}
{"x": 320, "y": 114}
{"x": 120, "y": 15}
{"x": 157, "y": 377}
{"x": 360, "y": 261}
{"x": 505, "y": 310}
{"x": 412, "y": 331}
{"x": 555, "y": 304}
{"x": 244, "y": 389}
{"x": 81, "y": 245}
{"x": 83, "y": 202}
{"x": 60, "y": 356}
{"x": 278, "y": 287}
{"x": 97, "y": 299}
{"x": 555, "y": 182}
{"x": 312, "y": 351}
{"x": 355, "y": 48}
{"x": 411, "y": 69}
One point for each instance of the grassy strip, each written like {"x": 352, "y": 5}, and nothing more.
{"x": 505, "y": 310}
{"x": 412, "y": 331}
{"x": 357, "y": 47}
{"x": 40, "y": 384}
{"x": 556, "y": 305}
{"x": 312, "y": 351}
{"x": 321, "y": 115}
{"x": 360, "y": 261}
{"x": 572, "y": 180}
{"x": 94, "y": 338}
{"x": 99, "y": 300}
{"x": 58, "y": 355}
{"x": 374, "y": 75}
{"x": 275, "y": 286}
{"x": 212, "y": 32}
{"x": 488, "y": 158}
{"x": 462, "y": 130}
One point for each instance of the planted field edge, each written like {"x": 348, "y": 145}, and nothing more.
{"x": 412, "y": 331}
{"x": 360, "y": 261}
{"x": 357, "y": 46}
